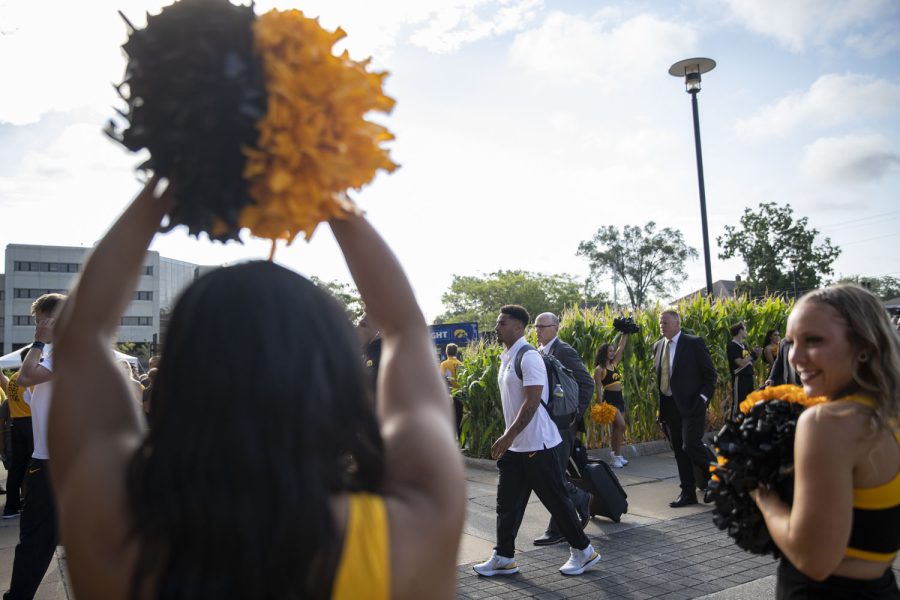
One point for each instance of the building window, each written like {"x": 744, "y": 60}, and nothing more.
{"x": 34, "y": 293}
{"x": 46, "y": 267}
{"x": 148, "y": 270}
{"x": 137, "y": 321}
{"x": 2, "y": 321}
{"x": 2, "y": 295}
{"x": 23, "y": 320}
{"x": 143, "y": 295}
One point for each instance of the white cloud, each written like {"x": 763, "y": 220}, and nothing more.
{"x": 593, "y": 48}
{"x": 57, "y": 55}
{"x": 831, "y": 100}
{"x": 440, "y": 26}
{"x": 449, "y": 28}
{"x": 797, "y": 24}
{"x": 852, "y": 158}
{"x": 877, "y": 42}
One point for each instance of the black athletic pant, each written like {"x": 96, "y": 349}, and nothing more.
{"x": 458, "y": 401}
{"x": 22, "y": 448}
{"x": 686, "y": 436}
{"x": 520, "y": 473}
{"x": 37, "y": 534}
{"x": 575, "y": 494}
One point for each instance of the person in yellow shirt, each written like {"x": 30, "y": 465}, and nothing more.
{"x": 4, "y": 433}
{"x": 448, "y": 371}
{"x": 21, "y": 441}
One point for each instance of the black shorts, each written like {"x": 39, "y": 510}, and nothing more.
{"x": 794, "y": 585}
{"x": 616, "y": 399}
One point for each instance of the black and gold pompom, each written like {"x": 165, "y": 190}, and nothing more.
{"x": 756, "y": 448}
{"x": 254, "y": 120}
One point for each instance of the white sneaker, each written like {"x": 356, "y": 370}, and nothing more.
{"x": 580, "y": 560}
{"x": 616, "y": 462}
{"x": 622, "y": 459}
{"x": 497, "y": 565}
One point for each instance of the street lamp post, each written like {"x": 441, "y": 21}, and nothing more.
{"x": 691, "y": 69}
{"x": 794, "y": 263}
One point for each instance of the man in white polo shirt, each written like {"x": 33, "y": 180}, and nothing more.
{"x": 525, "y": 455}
{"x": 37, "y": 529}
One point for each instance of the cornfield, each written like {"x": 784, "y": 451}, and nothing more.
{"x": 587, "y": 329}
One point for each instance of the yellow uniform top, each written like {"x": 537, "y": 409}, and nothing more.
{"x": 448, "y": 370}
{"x": 875, "y": 534}
{"x": 364, "y": 570}
{"x": 18, "y": 408}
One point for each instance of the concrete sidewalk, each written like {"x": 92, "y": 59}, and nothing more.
{"x": 54, "y": 584}
{"x": 654, "y": 552}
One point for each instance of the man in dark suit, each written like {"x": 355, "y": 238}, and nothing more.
{"x": 782, "y": 372}
{"x": 686, "y": 379}
{"x": 547, "y": 327}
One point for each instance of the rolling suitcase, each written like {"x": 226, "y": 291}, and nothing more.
{"x": 598, "y": 479}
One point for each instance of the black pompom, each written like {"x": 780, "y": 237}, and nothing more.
{"x": 625, "y": 325}
{"x": 759, "y": 448}
{"x": 195, "y": 91}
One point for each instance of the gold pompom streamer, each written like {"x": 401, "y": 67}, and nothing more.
{"x": 603, "y": 413}
{"x": 314, "y": 142}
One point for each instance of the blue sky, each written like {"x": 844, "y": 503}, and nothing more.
{"x": 522, "y": 126}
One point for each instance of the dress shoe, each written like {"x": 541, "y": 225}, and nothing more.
{"x": 684, "y": 499}
{"x": 549, "y": 538}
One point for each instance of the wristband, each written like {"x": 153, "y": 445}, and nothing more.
{"x": 38, "y": 345}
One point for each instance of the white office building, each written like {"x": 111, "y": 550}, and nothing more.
{"x": 35, "y": 270}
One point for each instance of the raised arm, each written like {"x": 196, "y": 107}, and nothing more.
{"x": 424, "y": 475}
{"x": 620, "y": 349}
{"x": 32, "y": 372}
{"x": 84, "y": 414}
{"x": 94, "y": 425}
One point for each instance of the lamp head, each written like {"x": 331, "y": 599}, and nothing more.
{"x": 691, "y": 69}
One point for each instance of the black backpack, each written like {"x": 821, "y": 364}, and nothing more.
{"x": 562, "y": 404}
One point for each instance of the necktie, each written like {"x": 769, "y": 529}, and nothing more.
{"x": 664, "y": 384}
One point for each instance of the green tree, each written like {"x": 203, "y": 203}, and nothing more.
{"x": 344, "y": 293}
{"x": 645, "y": 260}
{"x": 886, "y": 288}
{"x": 472, "y": 298}
{"x": 779, "y": 251}
{"x": 139, "y": 349}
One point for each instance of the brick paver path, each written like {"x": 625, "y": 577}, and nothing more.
{"x": 678, "y": 559}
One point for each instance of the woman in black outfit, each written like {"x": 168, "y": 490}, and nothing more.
{"x": 740, "y": 362}
{"x": 608, "y": 382}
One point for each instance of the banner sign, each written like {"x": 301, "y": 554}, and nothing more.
{"x": 457, "y": 333}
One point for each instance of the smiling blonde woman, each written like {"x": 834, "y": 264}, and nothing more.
{"x": 842, "y": 533}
